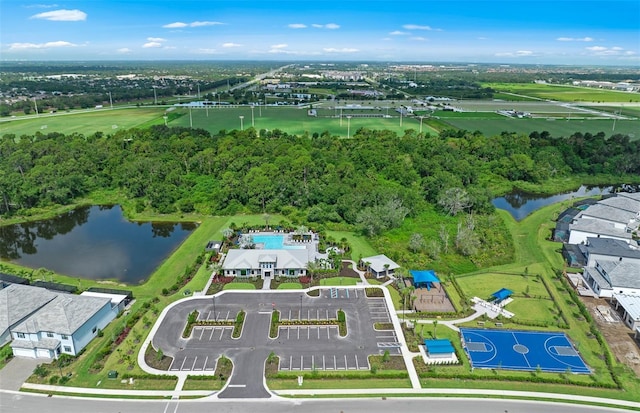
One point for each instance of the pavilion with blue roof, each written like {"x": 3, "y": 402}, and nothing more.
{"x": 439, "y": 348}
{"x": 502, "y": 294}
{"x": 424, "y": 278}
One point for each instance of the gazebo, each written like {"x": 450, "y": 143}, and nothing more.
{"x": 502, "y": 294}
{"x": 439, "y": 348}
{"x": 424, "y": 278}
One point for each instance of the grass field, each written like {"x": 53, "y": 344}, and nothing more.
{"x": 564, "y": 93}
{"x": 290, "y": 120}
{"x": 87, "y": 123}
{"x": 557, "y": 127}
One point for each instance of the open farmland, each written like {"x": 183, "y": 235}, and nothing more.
{"x": 88, "y": 122}
{"x": 564, "y": 93}
{"x": 290, "y": 120}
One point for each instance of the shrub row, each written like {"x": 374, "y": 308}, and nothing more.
{"x": 189, "y": 272}
{"x": 530, "y": 379}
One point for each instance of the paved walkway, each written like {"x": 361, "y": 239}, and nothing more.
{"x": 266, "y": 284}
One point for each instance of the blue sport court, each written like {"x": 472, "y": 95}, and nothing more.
{"x": 521, "y": 350}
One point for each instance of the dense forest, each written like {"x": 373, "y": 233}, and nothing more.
{"x": 374, "y": 176}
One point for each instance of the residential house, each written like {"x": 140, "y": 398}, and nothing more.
{"x": 581, "y": 229}
{"x": 44, "y": 324}
{"x": 608, "y": 277}
{"x": 607, "y": 249}
{"x": 630, "y": 309}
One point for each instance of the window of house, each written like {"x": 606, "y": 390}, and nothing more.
{"x": 243, "y": 272}
{"x": 50, "y": 335}
{"x": 21, "y": 335}
{"x": 65, "y": 337}
{"x": 94, "y": 329}
{"x": 67, "y": 349}
{"x": 292, "y": 272}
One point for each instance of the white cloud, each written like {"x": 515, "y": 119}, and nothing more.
{"x": 62, "y": 15}
{"x": 331, "y": 26}
{"x": 279, "y": 46}
{"x": 398, "y": 33}
{"x": 343, "y": 50}
{"x": 206, "y": 51}
{"x": 481, "y": 38}
{"x": 156, "y": 39}
{"x": 204, "y": 23}
{"x": 41, "y": 6}
{"x": 519, "y": 53}
{"x": 180, "y": 25}
{"x": 229, "y": 45}
{"x": 416, "y": 27}
{"x": 419, "y": 39}
{"x": 151, "y": 45}
{"x": 574, "y": 39}
{"x": 124, "y": 50}
{"x": 609, "y": 51}
{"x": 175, "y": 25}
{"x": 47, "y": 45}
{"x": 297, "y": 26}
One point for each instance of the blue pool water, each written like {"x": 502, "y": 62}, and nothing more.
{"x": 275, "y": 242}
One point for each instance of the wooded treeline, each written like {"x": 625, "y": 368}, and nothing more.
{"x": 373, "y": 180}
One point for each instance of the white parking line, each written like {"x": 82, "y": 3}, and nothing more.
{"x": 357, "y": 368}
{"x": 318, "y": 333}
{"x": 313, "y": 361}
{"x": 227, "y": 316}
{"x": 345, "y": 361}
{"x": 290, "y": 362}
{"x": 208, "y": 314}
{"x": 182, "y": 365}
{"x": 221, "y": 333}
{"x": 298, "y": 332}
{"x": 201, "y": 333}
{"x": 323, "y": 365}
{"x": 205, "y": 362}
{"x": 308, "y": 332}
{"x": 289, "y": 315}
{"x": 211, "y": 335}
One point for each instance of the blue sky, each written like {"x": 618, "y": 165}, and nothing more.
{"x": 585, "y": 32}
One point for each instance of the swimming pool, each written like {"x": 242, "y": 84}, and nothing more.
{"x": 275, "y": 242}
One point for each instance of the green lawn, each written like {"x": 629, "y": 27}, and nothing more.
{"x": 339, "y": 281}
{"x": 565, "y": 93}
{"x": 103, "y": 120}
{"x": 557, "y": 127}
{"x": 290, "y": 120}
{"x": 360, "y": 246}
{"x": 239, "y": 286}
{"x": 290, "y": 286}
{"x": 484, "y": 284}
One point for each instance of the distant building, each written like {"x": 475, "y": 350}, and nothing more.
{"x": 379, "y": 265}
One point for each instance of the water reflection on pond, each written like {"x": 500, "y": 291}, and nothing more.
{"x": 93, "y": 242}
{"x": 520, "y": 204}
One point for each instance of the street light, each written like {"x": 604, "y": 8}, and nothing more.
{"x": 241, "y": 122}
{"x": 215, "y": 314}
{"x": 300, "y": 314}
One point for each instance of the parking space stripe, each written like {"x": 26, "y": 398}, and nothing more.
{"x": 323, "y": 365}
{"x": 221, "y": 333}
{"x": 182, "y": 365}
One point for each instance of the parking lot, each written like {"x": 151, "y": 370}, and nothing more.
{"x": 299, "y": 347}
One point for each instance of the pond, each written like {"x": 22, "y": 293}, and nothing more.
{"x": 520, "y": 204}
{"x": 94, "y": 242}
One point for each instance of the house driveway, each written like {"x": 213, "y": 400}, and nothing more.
{"x": 16, "y": 372}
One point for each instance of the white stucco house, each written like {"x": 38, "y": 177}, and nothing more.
{"x": 51, "y": 323}
{"x": 607, "y": 278}
{"x": 581, "y": 229}
{"x": 265, "y": 263}
{"x": 607, "y": 249}
{"x": 630, "y": 305}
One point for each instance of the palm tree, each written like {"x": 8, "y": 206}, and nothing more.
{"x": 405, "y": 292}
{"x": 435, "y": 325}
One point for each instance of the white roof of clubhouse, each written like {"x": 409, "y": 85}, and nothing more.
{"x": 245, "y": 258}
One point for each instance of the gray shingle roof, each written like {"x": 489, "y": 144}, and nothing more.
{"x": 608, "y": 213}
{"x": 377, "y": 263}
{"x": 621, "y": 202}
{"x": 243, "y": 259}
{"x": 18, "y": 301}
{"x": 63, "y": 315}
{"x": 595, "y": 226}
{"x": 623, "y": 274}
{"x": 611, "y": 247}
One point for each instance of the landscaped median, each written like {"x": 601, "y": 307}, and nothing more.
{"x": 192, "y": 321}
{"x": 340, "y": 321}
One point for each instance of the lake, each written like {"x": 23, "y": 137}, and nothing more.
{"x": 94, "y": 242}
{"x": 520, "y": 204}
